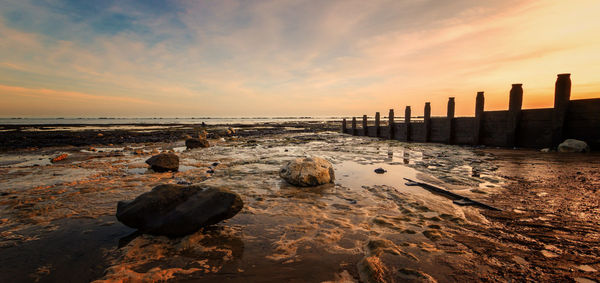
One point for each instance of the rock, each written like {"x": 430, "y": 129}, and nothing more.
{"x": 196, "y": 142}
{"x": 573, "y": 145}
{"x": 100, "y": 135}
{"x": 545, "y": 150}
{"x": 306, "y": 172}
{"x": 59, "y": 158}
{"x": 380, "y": 170}
{"x": 164, "y": 162}
{"x": 175, "y": 210}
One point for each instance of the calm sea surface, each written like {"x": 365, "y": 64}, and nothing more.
{"x": 112, "y": 121}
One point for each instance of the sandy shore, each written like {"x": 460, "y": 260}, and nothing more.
{"x": 57, "y": 219}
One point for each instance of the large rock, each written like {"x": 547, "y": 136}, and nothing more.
{"x": 175, "y": 210}
{"x": 164, "y": 162}
{"x": 307, "y": 172}
{"x": 196, "y": 143}
{"x": 572, "y": 145}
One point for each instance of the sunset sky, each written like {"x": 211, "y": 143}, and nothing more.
{"x": 287, "y": 58}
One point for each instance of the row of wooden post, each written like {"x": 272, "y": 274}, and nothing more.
{"x": 562, "y": 96}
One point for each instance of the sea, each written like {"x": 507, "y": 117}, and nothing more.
{"x": 165, "y": 121}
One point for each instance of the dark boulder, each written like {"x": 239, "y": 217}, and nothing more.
{"x": 175, "y": 210}
{"x": 196, "y": 143}
{"x": 164, "y": 162}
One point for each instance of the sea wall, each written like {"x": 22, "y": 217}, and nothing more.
{"x": 515, "y": 127}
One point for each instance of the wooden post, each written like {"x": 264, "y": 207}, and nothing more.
{"x": 391, "y": 124}
{"x": 377, "y": 125}
{"x": 479, "y": 101}
{"x": 562, "y": 96}
{"x": 354, "y": 126}
{"x": 344, "y": 126}
{"x": 364, "y": 126}
{"x": 407, "y": 123}
{"x": 514, "y": 114}
{"x": 450, "y": 120}
{"x": 427, "y": 121}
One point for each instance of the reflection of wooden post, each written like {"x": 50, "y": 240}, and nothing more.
{"x": 450, "y": 120}
{"x": 354, "y": 126}
{"x": 377, "y": 125}
{"x": 427, "y": 121}
{"x": 478, "y": 117}
{"x": 562, "y": 96}
{"x": 515, "y": 102}
{"x": 364, "y": 126}
{"x": 344, "y": 126}
{"x": 407, "y": 123}
{"x": 391, "y": 124}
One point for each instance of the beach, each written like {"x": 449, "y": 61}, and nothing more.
{"x": 58, "y": 224}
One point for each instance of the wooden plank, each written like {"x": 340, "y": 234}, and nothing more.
{"x": 407, "y": 123}
{"x": 562, "y": 95}
{"x": 515, "y": 103}
{"x": 479, "y": 103}
{"x": 377, "y": 125}
{"x": 427, "y": 121}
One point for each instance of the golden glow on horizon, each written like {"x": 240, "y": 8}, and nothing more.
{"x": 267, "y": 72}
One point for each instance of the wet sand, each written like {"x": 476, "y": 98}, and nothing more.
{"x": 57, "y": 219}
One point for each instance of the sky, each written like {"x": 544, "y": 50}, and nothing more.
{"x": 152, "y": 58}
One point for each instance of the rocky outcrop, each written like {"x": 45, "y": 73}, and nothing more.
{"x": 175, "y": 210}
{"x": 164, "y": 162}
{"x": 307, "y": 172}
{"x": 573, "y": 145}
{"x": 196, "y": 143}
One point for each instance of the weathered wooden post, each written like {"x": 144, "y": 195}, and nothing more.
{"x": 377, "y": 125}
{"x": 354, "y": 126}
{"x": 450, "y": 120}
{"x": 479, "y": 100}
{"x": 427, "y": 121}
{"x": 344, "y": 126}
{"x": 391, "y": 124}
{"x": 407, "y": 123}
{"x": 562, "y": 96}
{"x": 515, "y": 103}
{"x": 364, "y": 126}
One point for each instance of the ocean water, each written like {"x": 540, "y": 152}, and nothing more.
{"x": 166, "y": 121}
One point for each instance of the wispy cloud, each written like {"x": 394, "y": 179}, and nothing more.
{"x": 175, "y": 58}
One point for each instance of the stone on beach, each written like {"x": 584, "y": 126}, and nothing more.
{"x": 164, "y": 162}
{"x": 175, "y": 210}
{"x": 573, "y": 145}
{"x": 196, "y": 143}
{"x": 59, "y": 158}
{"x": 307, "y": 172}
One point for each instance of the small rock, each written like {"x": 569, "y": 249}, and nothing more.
{"x": 545, "y": 150}
{"x": 100, "y": 134}
{"x": 164, "y": 162}
{"x": 380, "y": 170}
{"x": 306, "y": 172}
{"x": 215, "y": 164}
{"x": 183, "y": 182}
{"x": 92, "y": 148}
{"x": 59, "y": 158}
{"x": 175, "y": 210}
{"x": 196, "y": 143}
{"x": 573, "y": 145}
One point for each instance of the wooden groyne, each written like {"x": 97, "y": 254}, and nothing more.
{"x": 515, "y": 127}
